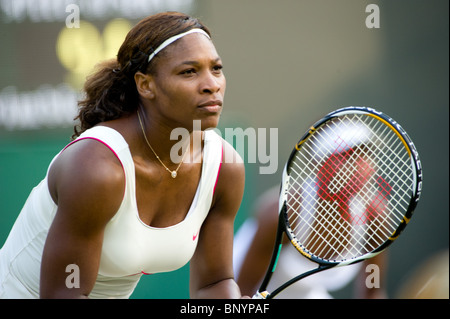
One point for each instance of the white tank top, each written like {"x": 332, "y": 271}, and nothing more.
{"x": 130, "y": 247}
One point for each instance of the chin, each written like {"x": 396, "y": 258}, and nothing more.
{"x": 206, "y": 123}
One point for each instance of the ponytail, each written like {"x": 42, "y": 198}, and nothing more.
{"x": 109, "y": 94}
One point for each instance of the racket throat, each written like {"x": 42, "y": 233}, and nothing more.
{"x": 299, "y": 277}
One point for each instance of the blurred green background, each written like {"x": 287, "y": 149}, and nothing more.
{"x": 287, "y": 62}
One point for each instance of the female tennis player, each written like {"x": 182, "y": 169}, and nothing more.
{"x": 114, "y": 205}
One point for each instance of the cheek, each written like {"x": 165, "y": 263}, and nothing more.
{"x": 175, "y": 95}
{"x": 183, "y": 98}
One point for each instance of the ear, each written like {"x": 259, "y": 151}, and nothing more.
{"x": 144, "y": 85}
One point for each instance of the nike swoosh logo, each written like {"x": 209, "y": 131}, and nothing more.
{"x": 195, "y": 235}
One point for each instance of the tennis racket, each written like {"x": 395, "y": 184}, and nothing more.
{"x": 348, "y": 190}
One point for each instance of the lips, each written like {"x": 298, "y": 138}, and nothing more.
{"x": 211, "y": 103}
{"x": 211, "y": 106}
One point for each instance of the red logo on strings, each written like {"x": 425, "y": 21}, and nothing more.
{"x": 355, "y": 172}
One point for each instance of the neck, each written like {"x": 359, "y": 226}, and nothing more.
{"x": 157, "y": 139}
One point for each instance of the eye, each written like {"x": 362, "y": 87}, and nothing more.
{"x": 218, "y": 68}
{"x": 190, "y": 71}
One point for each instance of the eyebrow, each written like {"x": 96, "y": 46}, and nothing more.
{"x": 196, "y": 62}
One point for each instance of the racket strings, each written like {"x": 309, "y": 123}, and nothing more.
{"x": 312, "y": 235}
{"x": 348, "y": 188}
{"x": 394, "y": 162}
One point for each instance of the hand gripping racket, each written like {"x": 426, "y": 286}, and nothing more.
{"x": 348, "y": 190}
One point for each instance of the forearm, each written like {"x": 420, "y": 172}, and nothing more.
{"x": 224, "y": 289}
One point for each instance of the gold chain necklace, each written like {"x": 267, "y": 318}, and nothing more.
{"x": 172, "y": 173}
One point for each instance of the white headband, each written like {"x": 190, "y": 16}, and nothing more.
{"x": 173, "y": 39}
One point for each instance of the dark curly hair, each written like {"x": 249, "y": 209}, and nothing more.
{"x": 110, "y": 92}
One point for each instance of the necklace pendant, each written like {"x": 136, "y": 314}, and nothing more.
{"x": 173, "y": 174}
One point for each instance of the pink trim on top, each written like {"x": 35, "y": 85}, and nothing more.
{"x": 218, "y": 172}
{"x": 98, "y": 140}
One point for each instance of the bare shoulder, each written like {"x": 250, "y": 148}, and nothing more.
{"x": 89, "y": 176}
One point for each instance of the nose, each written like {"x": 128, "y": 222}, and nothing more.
{"x": 211, "y": 83}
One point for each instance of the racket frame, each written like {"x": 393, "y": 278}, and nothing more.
{"x": 283, "y": 224}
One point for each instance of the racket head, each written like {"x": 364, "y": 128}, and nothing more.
{"x": 350, "y": 186}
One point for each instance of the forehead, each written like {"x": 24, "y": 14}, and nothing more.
{"x": 193, "y": 47}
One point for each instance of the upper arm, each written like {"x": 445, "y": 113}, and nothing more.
{"x": 87, "y": 184}
{"x": 213, "y": 259}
